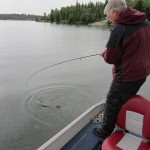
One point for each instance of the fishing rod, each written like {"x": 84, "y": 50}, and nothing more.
{"x": 62, "y": 62}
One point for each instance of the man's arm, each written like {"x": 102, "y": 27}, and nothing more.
{"x": 113, "y": 48}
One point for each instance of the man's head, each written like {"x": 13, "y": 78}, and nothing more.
{"x": 113, "y": 8}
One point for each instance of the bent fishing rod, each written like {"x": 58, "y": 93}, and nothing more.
{"x": 62, "y": 62}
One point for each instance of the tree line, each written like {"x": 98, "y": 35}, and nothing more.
{"x": 19, "y": 17}
{"x": 79, "y": 13}
{"x": 88, "y": 13}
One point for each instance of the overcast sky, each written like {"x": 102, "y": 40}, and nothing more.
{"x": 37, "y": 7}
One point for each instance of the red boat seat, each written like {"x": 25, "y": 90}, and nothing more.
{"x": 134, "y": 118}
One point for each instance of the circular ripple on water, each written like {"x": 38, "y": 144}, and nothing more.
{"x": 58, "y": 105}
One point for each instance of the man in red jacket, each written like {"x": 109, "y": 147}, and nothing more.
{"x": 128, "y": 49}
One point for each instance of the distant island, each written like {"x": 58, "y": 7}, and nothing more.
{"x": 19, "y": 17}
{"x": 91, "y": 13}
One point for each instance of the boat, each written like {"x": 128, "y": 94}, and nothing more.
{"x": 79, "y": 132}
{"x": 133, "y": 132}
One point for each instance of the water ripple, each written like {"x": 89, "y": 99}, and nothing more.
{"x": 58, "y": 105}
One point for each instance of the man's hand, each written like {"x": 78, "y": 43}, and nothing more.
{"x": 102, "y": 53}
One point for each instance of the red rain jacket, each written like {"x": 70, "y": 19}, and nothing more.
{"x": 128, "y": 47}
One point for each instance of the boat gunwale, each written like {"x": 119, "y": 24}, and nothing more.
{"x": 73, "y": 128}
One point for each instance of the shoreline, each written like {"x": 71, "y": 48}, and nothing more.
{"x": 99, "y": 23}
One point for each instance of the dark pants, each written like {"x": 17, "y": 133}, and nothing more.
{"x": 118, "y": 94}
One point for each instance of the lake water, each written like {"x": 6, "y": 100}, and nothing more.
{"x": 36, "y": 100}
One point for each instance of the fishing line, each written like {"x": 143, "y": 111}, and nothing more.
{"x": 62, "y": 62}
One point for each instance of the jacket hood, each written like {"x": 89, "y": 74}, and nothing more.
{"x": 131, "y": 16}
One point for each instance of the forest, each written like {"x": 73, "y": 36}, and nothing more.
{"x": 88, "y": 13}
{"x": 79, "y": 13}
{"x": 18, "y": 17}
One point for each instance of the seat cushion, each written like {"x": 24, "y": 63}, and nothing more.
{"x": 120, "y": 140}
{"x": 135, "y": 116}
{"x": 144, "y": 146}
{"x": 111, "y": 142}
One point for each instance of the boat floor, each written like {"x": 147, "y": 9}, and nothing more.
{"x": 85, "y": 139}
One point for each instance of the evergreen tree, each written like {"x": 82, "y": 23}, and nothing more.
{"x": 139, "y": 5}
{"x": 80, "y": 13}
{"x": 88, "y": 13}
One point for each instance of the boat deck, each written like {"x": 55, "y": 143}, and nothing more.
{"x": 85, "y": 139}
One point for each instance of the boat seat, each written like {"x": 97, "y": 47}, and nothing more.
{"x": 134, "y": 118}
